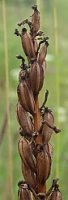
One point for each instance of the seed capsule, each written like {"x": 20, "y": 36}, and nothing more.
{"x": 42, "y": 71}
{"x": 56, "y": 194}
{"x": 25, "y": 95}
{"x": 36, "y": 77}
{"x": 24, "y": 120}
{"x": 28, "y": 136}
{"x": 50, "y": 149}
{"x": 35, "y": 44}
{"x": 23, "y": 193}
{"x": 46, "y": 131}
{"x": 51, "y": 189}
{"x": 42, "y": 196}
{"x": 43, "y": 165}
{"x": 42, "y": 53}
{"x": 23, "y": 75}
{"x": 26, "y": 153}
{"x": 29, "y": 175}
{"x": 27, "y": 44}
{"x": 35, "y": 20}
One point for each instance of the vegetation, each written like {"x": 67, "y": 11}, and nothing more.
{"x": 18, "y": 10}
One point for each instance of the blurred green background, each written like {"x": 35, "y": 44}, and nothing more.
{"x": 54, "y": 19}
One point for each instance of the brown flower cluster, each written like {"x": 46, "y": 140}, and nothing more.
{"x": 36, "y": 123}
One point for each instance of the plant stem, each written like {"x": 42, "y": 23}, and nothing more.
{"x": 37, "y": 120}
{"x": 38, "y": 139}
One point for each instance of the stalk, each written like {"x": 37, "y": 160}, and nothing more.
{"x": 38, "y": 140}
{"x": 57, "y": 64}
{"x": 9, "y": 137}
{"x": 37, "y": 124}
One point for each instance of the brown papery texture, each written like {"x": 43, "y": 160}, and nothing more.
{"x": 36, "y": 123}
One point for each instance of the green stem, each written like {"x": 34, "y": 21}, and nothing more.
{"x": 9, "y": 135}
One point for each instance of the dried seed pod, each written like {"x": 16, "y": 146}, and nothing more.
{"x": 36, "y": 77}
{"x": 24, "y": 120}
{"x": 56, "y": 194}
{"x": 46, "y": 131}
{"x": 23, "y": 193}
{"x": 28, "y": 136}
{"x": 35, "y": 44}
{"x": 35, "y": 20}
{"x": 26, "y": 153}
{"x": 23, "y": 74}
{"x": 29, "y": 175}
{"x": 42, "y": 196}
{"x": 50, "y": 149}
{"x": 42, "y": 71}
{"x": 51, "y": 189}
{"x": 27, "y": 44}
{"x": 25, "y": 95}
{"x": 42, "y": 53}
{"x": 43, "y": 165}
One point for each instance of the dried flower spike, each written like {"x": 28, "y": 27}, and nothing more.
{"x": 36, "y": 123}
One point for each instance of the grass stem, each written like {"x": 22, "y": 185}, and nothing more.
{"x": 9, "y": 164}
{"x": 57, "y": 64}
